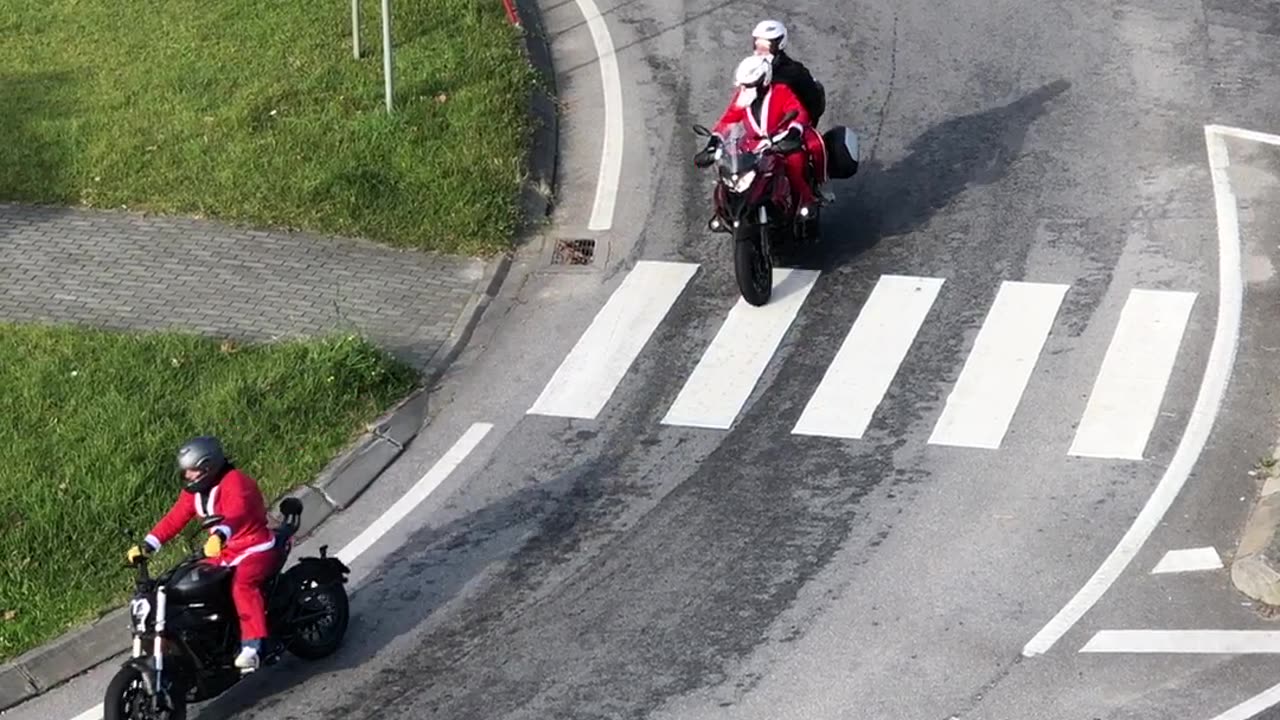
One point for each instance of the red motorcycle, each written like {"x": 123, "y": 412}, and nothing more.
{"x": 754, "y": 202}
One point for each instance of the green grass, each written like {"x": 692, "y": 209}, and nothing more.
{"x": 257, "y": 113}
{"x": 91, "y": 422}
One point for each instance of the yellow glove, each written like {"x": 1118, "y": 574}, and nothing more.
{"x": 134, "y": 553}
{"x": 213, "y": 546}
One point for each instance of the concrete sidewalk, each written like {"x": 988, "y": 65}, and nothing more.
{"x": 128, "y": 271}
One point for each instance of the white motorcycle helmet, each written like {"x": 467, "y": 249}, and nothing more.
{"x": 753, "y": 73}
{"x": 772, "y": 32}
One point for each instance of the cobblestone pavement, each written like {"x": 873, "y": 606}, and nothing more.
{"x": 127, "y": 271}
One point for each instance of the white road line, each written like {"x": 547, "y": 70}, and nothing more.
{"x": 591, "y": 371}
{"x": 1213, "y": 387}
{"x": 94, "y": 713}
{"x": 611, "y": 153}
{"x": 869, "y": 357}
{"x": 1254, "y": 705}
{"x": 1195, "y": 642}
{"x": 1126, "y": 397}
{"x": 1189, "y": 560}
{"x": 730, "y": 368}
{"x": 990, "y": 386}
{"x": 419, "y": 492}
{"x": 1243, "y": 134}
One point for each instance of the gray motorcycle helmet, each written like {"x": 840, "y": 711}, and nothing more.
{"x": 206, "y": 455}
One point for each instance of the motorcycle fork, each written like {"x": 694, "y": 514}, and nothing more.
{"x": 157, "y": 650}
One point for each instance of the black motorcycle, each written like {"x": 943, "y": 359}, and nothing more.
{"x": 186, "y": 631}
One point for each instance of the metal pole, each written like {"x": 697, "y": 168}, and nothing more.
{"x": 386, "y": 49}
{"x": 355, "y": 28}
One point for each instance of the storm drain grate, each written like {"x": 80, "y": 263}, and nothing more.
{"x": 574, "y": 252}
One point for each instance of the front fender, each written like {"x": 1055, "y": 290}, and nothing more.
{"x": 146, "y": 668}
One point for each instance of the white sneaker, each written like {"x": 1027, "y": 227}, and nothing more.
{"x": 827, "y": 194}
{"x": 247, "y": 660}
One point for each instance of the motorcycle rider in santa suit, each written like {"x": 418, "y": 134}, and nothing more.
{"x": 212, "y": 485}
{"x": 759, "y": 103}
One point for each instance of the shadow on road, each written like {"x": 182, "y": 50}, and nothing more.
{"x": 881, "y": 202}
{"x": 514, "y": 539}
{"x": 430, "y": 569}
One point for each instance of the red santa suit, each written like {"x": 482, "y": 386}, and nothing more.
{"x": 247, "y": 541}
{"x": 778, "y": 100}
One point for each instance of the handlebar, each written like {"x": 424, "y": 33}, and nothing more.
{"x": 767, "y": 145}
{"x": 144, "y": 576}
{"x": 195, "y": 553}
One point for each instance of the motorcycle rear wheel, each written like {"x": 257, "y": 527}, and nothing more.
{"x": 752, "y": 264}
{"x": 126, "y": 699}
{"x": 323, "y": 636}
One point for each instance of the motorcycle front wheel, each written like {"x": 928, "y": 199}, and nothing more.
{"x": 752, "y": 264}
{"x": 126, "y": 699}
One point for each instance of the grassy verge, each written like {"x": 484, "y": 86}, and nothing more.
{"x": 92, "y": 421}
{"x": 257, "y": 112}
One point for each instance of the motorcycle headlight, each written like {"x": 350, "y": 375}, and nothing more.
{"x": 740, "y": 183}
{"x": 140, "y": 609}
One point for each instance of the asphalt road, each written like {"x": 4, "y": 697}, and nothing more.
{"x": 623, "y": 567}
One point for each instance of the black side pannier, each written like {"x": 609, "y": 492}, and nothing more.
{"x": 842, "y": 152}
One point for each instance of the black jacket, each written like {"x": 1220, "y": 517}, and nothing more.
{"x": 796, "y": 76}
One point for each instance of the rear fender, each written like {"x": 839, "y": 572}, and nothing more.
{"x": 321, "y": 570}
{"x": 324, "y": 570}
{"x": 293, "y": 587}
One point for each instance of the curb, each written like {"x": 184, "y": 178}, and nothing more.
{"x": 539, "y": 186}
{"x": 1255, "y": 570}
{"x": 347, "y": 476}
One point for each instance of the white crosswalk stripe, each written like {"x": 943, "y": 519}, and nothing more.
{"x": 591, "y": 372}
{"x": 1126, "y": 396}
{"x": 990, "y": 386}
{"x": 980, "y": 408}
{"x": 728, "y": 371}
{"x": 869, "y": 357}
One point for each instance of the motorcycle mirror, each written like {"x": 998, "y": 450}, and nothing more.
{"x": 290, "y": 506}
{"x": 700, "y": 130}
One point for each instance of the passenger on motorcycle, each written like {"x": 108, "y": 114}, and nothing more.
{"x": 213, "y": 486}
{"x": 770, "y": 38}
{"x": 760, "y": 104}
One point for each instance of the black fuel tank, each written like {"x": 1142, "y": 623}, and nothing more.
{"x": 200, "y": 582}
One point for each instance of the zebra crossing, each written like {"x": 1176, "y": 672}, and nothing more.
{"x": 1117, "y": 421}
